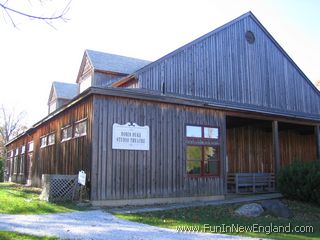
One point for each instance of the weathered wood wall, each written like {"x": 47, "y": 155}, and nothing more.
{"x": 63, "y": 157}
{"x": 296, "y": 146}
{"x": 160, "y": 172}
{"x": 224, "y": 68}
{"x": 249, "y": 149}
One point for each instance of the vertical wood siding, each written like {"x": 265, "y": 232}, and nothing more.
{"x": 63, "y": 157}
{"x": 295, "y": 146}
{"x": 223, "y": 67}
{"x": 160, "y": 172}
{"x": 249, "y": 149}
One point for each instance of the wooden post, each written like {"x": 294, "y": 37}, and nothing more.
{"x": 276, "y": 147}
{"x": 317, "y": 135}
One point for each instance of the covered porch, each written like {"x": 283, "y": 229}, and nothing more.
{"x": 256, "y": 149}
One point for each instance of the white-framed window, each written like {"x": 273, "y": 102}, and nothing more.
{"x": 80, "y": 128}
{"x": 43, "y": 141}
{"x": 66, "y": 133}
{"x": 51, "y": 139}
{"x": 30, "y": 146}
{"x": 23, "y": 149}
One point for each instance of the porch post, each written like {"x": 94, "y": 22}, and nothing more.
{"x": 276, "y": 147}
{"x": 317, "y": 135}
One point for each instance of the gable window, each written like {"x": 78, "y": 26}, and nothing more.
{"x": 202, "y": 151}
{"x": 51, "y": 139}
{"x": 43, "y": 141}
{"x": 80, "y": 128}
{"x": 66, "y": 133}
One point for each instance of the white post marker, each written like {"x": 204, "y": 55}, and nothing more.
{"x": 82, "y": 178}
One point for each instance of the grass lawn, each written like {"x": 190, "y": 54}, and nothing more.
{"x": 201, "y": 218}
{"x": 5, "y": 235}
{"x": 18, "y": 199}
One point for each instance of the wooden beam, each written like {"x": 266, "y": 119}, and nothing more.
{"x": 317, "y": 135}
{"x": 276, "y": 146}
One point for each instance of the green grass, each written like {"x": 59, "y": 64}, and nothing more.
{"x": 18, "y": 199}
{"x": 5, "y": 235}
{"x": 197, "y": 217}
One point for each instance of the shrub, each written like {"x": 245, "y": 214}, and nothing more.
{"x": 301, "y": 181}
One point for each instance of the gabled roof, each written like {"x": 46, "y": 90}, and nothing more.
{"x": 215, "y": 31}
{"x": 114, "y": 63}
{"x": 225, "y": 68}
{"x": 63, "y": 90}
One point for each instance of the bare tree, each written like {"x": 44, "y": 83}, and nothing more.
{"x": 11, "y": 125}
{"x": 11, "y": 11}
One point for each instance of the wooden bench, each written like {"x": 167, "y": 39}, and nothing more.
{"x": 251, "y": 182}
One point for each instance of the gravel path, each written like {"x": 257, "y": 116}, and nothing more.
{"x": 94, "y": 225}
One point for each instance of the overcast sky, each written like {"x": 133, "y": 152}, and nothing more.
{"x": 33, "y": 55}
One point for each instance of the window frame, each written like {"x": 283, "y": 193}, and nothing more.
{"x": 202, "y": 138}
{"x": 54, "y": 138}
{"x": 203, "y": 160}
{"x": 203, "y": 142}
{"x": 64, "y": 128}
{"x": 46, "y": 142}
{"x": 84, "y": 120}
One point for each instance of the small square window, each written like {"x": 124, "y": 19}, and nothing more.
{"x": 66, "y": 133}
{"x": 80, "y": 129}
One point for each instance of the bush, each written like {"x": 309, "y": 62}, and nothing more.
{"x": 1, "y": 169}
{"x": 301, "y": 181}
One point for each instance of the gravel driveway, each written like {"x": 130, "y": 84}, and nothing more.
{"x": 94, "y": 225}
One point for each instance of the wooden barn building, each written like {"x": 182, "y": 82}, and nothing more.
{"x": 176, "y": 129}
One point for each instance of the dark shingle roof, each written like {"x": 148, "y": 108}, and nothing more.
{"x": 115, "y": 63}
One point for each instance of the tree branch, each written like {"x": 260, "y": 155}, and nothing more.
{"x": 46, "y": 19}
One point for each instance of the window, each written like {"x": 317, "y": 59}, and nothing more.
{"x": 202, "y": 132}
{"x": 202, "y": 151}
{"x": 80, "y": 128}
{"x": 43, "y": 141}
{"x": 51, "y": 139}
{"x": 203, "y": 160}
{"x": 15, "y": 161}
{"x": 30, "y": 146}
{"x": 66, "y": 133}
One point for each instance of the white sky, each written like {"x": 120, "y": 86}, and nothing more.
{"x": 34, "y": 54}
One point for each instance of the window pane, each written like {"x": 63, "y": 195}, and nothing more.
{"x": 193, "y": 167}
{"x": 210, "y": 153}
{"x": 30, "y": 146}
{"x": 23, "y": 149}
{"x": 194, "y": 131}
{"x": 43, "y": 141}
{"x": 193, "y": 153}
{"x": 193, "y": 159}
{"x": 51, "y": 139}
{"x": 211, "y": 133}
{"x": 211, "y": 167}
{"x": 67, "y": 133}
{"x": 80, "y": 129}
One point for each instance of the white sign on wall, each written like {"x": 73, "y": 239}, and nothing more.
{"x": 130, "y": 136}
{"x": 82, "y": 178}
